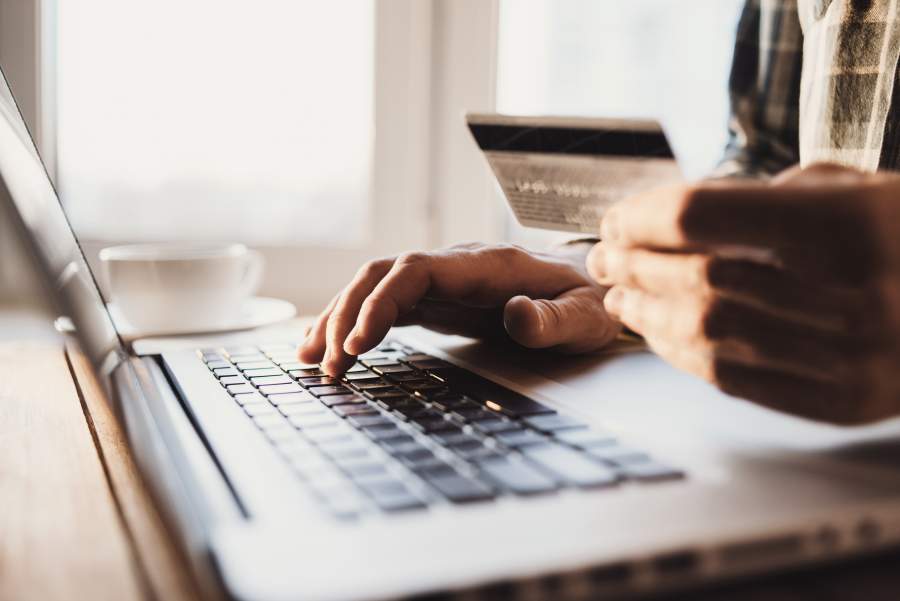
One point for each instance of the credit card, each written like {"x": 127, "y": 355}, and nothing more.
{"x": 562, "y": 173}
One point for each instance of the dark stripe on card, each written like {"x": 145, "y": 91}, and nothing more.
{"x": 565, "y": 140}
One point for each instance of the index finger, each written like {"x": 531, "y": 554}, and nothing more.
{"x": 742, "y": 215}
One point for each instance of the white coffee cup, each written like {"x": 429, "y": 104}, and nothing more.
{"x": 181, "y": 287}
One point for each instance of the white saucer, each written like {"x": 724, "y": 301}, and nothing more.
{"x": 257, "y": 311}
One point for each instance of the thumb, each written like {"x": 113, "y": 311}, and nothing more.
{"x": 573, "y": 322}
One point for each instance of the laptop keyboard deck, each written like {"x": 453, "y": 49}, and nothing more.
{"x": 402, "y": 430}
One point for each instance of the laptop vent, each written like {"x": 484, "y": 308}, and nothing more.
{"x": 767, "y": 550}
{"x": 676, "y": 563}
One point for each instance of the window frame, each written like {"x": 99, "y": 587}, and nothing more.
{"x": 425, "y": 77}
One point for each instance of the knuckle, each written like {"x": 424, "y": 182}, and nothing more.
{"x": 712, "y": 316}
{"x": 701, "y": 273}
{"x": 688, "y": 209}
{"x": 373, "y": 268}
{"x": 507, "y": 252}
{"x": 412, "y": 258}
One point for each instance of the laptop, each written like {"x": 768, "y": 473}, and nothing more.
{"x": 439, "y": 467}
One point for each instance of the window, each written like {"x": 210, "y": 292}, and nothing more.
{"x": 211, "y": 120}
{"x": 326, "y": 133}
{"x": 663, "y": 59}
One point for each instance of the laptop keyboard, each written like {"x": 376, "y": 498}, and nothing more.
{"x": 402, "y": 430}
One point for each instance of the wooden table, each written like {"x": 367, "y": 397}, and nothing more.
{"x": 76, "y": 521}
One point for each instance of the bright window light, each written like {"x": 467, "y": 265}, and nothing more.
{"x": 662, "y": 59}
{"x": 216, "y": 119}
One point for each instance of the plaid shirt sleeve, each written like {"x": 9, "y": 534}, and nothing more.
{"x": 765, "y": 91}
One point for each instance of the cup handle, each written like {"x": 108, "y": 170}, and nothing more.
{"x": 253, "y": 271}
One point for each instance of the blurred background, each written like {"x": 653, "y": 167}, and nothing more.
{"x": 323, "y": 132}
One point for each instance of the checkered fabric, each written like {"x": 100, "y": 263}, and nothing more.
{"x": 812, "y": 81}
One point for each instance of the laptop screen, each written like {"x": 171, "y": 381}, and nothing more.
{"x": 27, "y": 190}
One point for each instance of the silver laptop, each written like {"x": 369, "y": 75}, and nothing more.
{"x": 439, "y": 466}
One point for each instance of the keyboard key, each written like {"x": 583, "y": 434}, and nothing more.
{"x": 318, "y": 381}
{"x": 377, "y": 361}
{"x": 270, "y": 421}
{"x": 650, "y": 471}
{"x": 240, "y": 389}
{"x": 449, "y": 401}
{"x": 452, "y": 437}
{"x": 409, "y": 409}
{"x": 520, "y": 438}
{"x": 467, "y": 413}
{"x": 362, "y": 376}
{"x": 229, "y": 380}
{"x": 585, "y": 439}
{"x": 342, "y": 399}
{"x": 460, "y": 489}
{"x": 477, "y": 453}
{"x": 304, "y": 421}
{"x": 218, "y": 365}
{"x": 362, "y": 469}
{"x": 516, "y": 476}
{"x": 392, "y": 495}
{"x": 398, "y": 501}
{"x": 291, "y": 398}
{"x": 373, "y": 385}
{"x": 400, "y": 444}
{"x": 428, "y": 364}
{"x": 418, "y": 357}
{"x": 269, "y": 380}
{"x": 255, "y": 365}
{"x": 494, "y": 425}
{"x": 433, "y": 469}
{"x": 245, "y": 358}
{"x": 392, "y": 369}
{"x": 250, "y": 398}
{"x": 433, "y": 423}
{"x": 333, "y": 433}
{"x": 306, "y": 373}
{"x": 281, "y": 435}
{"x": 416, "y": 457}
{"x": 225, "y": 371}
{"x": 280, "y": 389}
{"x": 344, "y": 503}
{"x": 321, "y": 391}
{"x": 255, "y": 409}
{"x": 412, "y": 376}
{"x": 259, "y": 373}
{"x": 383, "y": 432}
{"x": 618, "y": 455}
{"x": 302, "y": 409}
{"x": 368, "y": 421}
{"x": 423, "y": 389}
{"x": 357, "y": 368}
{"x": 340, "y": 449}
{"x": 296, "y": 365}
{"x": 279, "y": 358}
{"x": 212, "y": 356}
{"x": 347, "y": 410}
{"x": 496, "y": 397}
{"x": 570, "y": 466}
{"x": 554, "y": 422}
{"x": 388, "y": 393}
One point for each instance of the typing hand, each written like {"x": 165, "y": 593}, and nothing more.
{"x": 809, "y": 325}
{"x": 538, "y": 300}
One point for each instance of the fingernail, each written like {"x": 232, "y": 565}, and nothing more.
{"x": 351, "y": 342}
{"x": 596, "y": 262}
{"x": 610, "y": 228}
{"x": 613, "y": 301}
